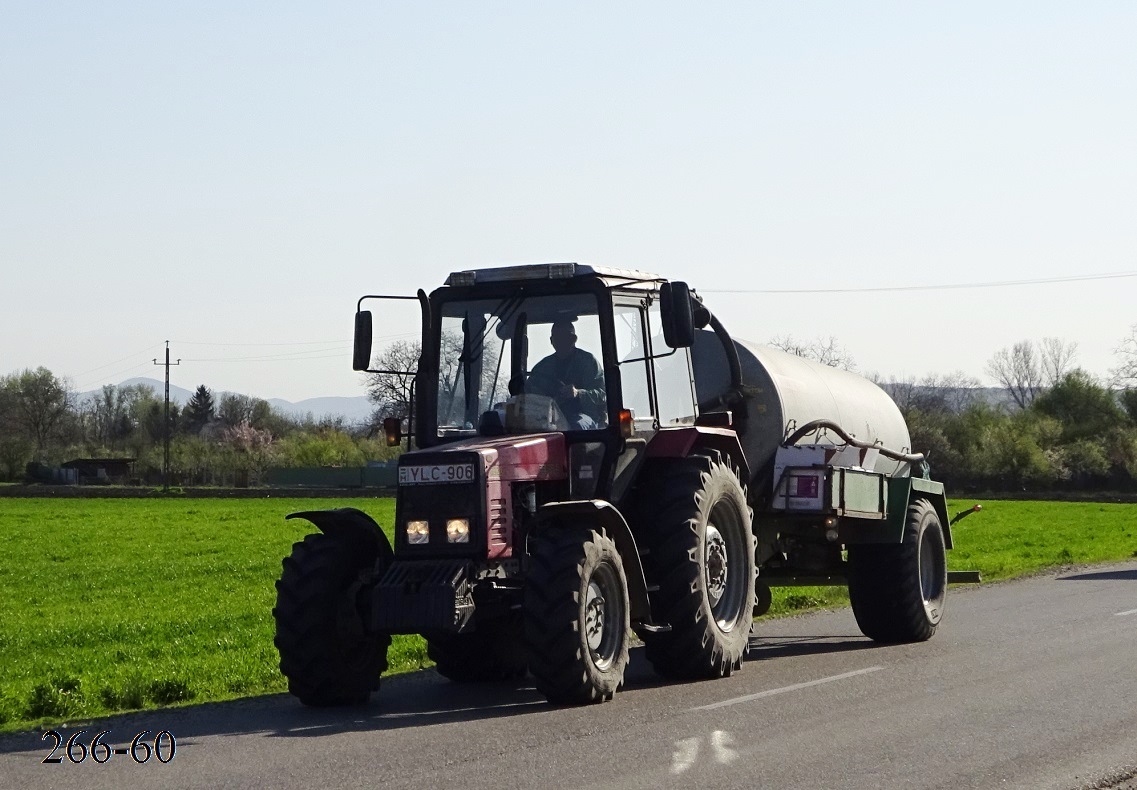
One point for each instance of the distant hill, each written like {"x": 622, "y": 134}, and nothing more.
{"x": 352, "y": 409}
{"x": 177, "y": 394}
{"x": 356, "y": 409}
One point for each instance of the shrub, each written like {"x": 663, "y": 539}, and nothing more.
{"x": 57, "y": 699}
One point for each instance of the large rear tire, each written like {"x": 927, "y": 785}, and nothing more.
{"x": 697, "y": 527}
{"x": 576, "y": 616}
{"x": 326, "y": 650}
{"x": 898, "y": 591}
{"x": 495, "y": 650}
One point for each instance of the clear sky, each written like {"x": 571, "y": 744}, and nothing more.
{"x": 232, "y": 175}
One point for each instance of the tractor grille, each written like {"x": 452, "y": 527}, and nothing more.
{"x": 423, "y": 595}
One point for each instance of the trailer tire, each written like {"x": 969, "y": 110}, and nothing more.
{"x": 697, "y": 528}
{"x": 763, "y": 599}
{"x": 326, "y": 652}
{"x": 576, "y": 616}
{"x": 495, "y": 650}
{"x": 898, "y": 591}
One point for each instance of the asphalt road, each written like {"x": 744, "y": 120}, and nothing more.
{"x": 1030, "y": 684}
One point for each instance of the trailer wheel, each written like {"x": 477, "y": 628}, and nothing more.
{"x": 493, "y": 651}
{"x": 697, "y": 528}
{"x": 576, "y": 616}
{"x": 763, "y": 599}
{"x": 326, "y": 651}
{"x": 898, "y": 591}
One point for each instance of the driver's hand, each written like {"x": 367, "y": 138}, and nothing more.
{"x": 567, "y": 391}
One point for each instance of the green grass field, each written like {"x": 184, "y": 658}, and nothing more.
{"x": 117, "y": 604}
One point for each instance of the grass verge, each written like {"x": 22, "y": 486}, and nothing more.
{"x": 109, "y": 605}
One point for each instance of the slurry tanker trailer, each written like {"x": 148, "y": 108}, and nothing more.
{"x": 595, "y": 455}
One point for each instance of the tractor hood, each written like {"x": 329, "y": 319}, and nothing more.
{"x": 525, "y": 458}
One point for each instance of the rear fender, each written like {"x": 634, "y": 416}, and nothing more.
{"x": 354, "y": 527}
{"x": 901, "y": 493}
{"x": 684, "y": 441}
{"x": 602, "y": 515}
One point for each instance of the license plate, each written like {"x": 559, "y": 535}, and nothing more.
{"x": 435, "y": 473}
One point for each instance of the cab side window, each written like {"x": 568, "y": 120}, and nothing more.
{"x": 673, "y": 388}
{"x": 630, "y": 351}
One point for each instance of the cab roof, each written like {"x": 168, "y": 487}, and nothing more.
{"x": 554, "y": 271}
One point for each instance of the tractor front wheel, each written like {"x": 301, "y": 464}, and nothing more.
{"x": 326, "y": 650}
{"x": 576, "y": 616}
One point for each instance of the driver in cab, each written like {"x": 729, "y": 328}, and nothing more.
{"x": 572, "y": 377}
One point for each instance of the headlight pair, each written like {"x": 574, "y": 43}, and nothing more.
{"x": 457, "y": 531}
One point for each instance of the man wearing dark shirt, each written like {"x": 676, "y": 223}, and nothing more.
{"x": 572, "y": 377}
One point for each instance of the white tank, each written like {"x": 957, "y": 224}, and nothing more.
{"x": 784, "y": 392}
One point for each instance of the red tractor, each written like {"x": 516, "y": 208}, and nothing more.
{"x": 595, "y": 456}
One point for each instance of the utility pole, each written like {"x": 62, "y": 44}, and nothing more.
{"x": 166, "y": 422}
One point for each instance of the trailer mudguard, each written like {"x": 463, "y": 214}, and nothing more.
{"x": 353, "y": 526}
{"x": 604, "y": 515}
{"x": 901, "y": 492}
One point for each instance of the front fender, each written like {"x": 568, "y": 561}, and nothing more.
{"x": 603, "y": 515}
{"x": 354, "y": 527}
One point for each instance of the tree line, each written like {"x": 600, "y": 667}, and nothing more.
{"x": 214, "y": 440}
{"x": 1052, "y": 426}
{"x": 1048, "y": 425}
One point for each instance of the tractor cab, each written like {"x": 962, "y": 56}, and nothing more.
{"x": 598, "y": 356}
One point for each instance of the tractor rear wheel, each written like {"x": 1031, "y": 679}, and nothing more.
{"x": 326, "y": 650}
{"x": 898, "y": 591}
{"x": 495, "y": 650}
{"x": 576, "y": 616}
{"x": 696, "y": 525}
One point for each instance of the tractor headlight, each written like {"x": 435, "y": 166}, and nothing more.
{"x": 458, "y": 530}
{"x": 418, "y": 532}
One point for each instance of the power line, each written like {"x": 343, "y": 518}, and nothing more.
{"x": 295, "y": 343}
{"x": 338, "y": 342}
{"x": 117, "y": 361}
{"x": 942, "y": 287}
{"x": 291, "y": 356}
{"x": 110, "y": 376}
{"x": 265, "y": 359}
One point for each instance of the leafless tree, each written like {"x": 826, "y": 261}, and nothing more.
{"x": 1025, "y": 370}
{"x": 826, "y": 350}
{"x": 953, "y": 392}
{"x": 1056, "y": 357}
{"x": 391, "y": 391}
{"x": 1125, "y": 374}
{"x": 936, "y": 392}
{"x": 1019, "y": 371}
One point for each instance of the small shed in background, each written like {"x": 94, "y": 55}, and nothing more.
{"x": 101, "y": 470}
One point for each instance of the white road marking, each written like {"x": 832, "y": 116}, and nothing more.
{"x": 1122, "y": 614}
{"x": 686, "y": 751}
{"x": 720, "y": 742}
{"x": 784, "y": 689}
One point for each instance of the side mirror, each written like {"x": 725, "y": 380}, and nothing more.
{"x": 361, "y": 356}
{"x": 678, "y": 317}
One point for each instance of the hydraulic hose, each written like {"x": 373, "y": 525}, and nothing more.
{"x": 815, "y": 425}
{"x": 735, "y": 394}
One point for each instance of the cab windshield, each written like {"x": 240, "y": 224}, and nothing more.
{"x": 520, "y": 364}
